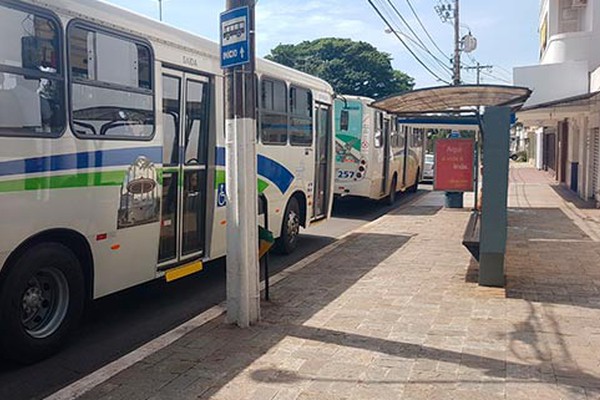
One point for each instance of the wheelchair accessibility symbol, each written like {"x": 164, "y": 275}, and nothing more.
{"x": 221, "y": 195}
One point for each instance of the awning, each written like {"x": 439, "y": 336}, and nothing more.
{"x": 547, "y": 114}
{"x": 581, "y": 100}
{"x": 453, "y": 99}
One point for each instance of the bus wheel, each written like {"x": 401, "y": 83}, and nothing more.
{"x": 290, "y": 228}
{"x": 391, "y": 199}
{"x": 41, "y": 301}
{"x": 414, "y": 188}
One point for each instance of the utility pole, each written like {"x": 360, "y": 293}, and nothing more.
{"x": 448, "y": 12}
{"x": 238, "y": 60}
{"x": 160, "y": 15}
{"x": 479, "y": 68}
{"x": 457, "y": 44}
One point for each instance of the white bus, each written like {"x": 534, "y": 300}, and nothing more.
{"x": 376, "y": 156}
{"x": 112, "y": 160}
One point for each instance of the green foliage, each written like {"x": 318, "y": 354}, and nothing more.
{"x": 352, "y": 68}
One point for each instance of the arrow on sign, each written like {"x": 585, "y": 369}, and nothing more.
{"x": 242, "y": 52}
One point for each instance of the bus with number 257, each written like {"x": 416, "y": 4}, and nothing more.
{"x": 376, "y": 155}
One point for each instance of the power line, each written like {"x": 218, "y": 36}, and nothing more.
{"x": 424, "y": 28}
{"x": 422, "y": 44}
{"x": 404, "y": 43}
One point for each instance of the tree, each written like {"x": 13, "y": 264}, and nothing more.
{"x": 353, "y": 68}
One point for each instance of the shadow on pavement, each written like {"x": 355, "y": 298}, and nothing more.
{"x": 571, "y": 197}
{"x": 216, "y": 353}
{"x": 505, "y": 371}
{"x": 551, "y": 260}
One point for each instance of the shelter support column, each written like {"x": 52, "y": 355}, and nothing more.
{"x": 494, "y": 218}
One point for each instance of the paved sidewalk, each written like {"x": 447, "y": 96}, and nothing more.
{"x": 393, "y": 313}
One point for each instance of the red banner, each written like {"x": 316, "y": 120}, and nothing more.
{"x": 454, "y": 160}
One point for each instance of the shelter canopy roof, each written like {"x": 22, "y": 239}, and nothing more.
{"x": 453, "y": 99}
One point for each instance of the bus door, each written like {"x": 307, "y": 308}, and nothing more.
{"x": 323, "y": 154}
{"x": 385, "y": 147}
{"x": 185, "y": 150}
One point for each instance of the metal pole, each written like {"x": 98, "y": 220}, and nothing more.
{"x": 479, "y": 68}
{"x": 243, "y": 272}
{"x": 160, "y": 14}
{"x": 456, "y": 79}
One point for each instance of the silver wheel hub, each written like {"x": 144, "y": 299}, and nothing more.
{"x": 32, "y": 300}
{"x": 45, "y": 302}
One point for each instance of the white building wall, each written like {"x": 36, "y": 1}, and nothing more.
{"x": 548, "y": 82}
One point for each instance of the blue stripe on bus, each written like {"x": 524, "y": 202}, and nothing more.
{"x": 220, "y": 156}
{"x": 268, "y": 168}
{"x": 84, "y": 160}
{"x": 275, "y": 172}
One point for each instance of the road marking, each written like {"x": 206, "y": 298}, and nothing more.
{"x": 98, "y": 377}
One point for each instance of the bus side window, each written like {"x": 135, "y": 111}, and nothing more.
{"x": 378, "y": 137}
{"x": 301, "y": 122}
{"x": 32, "y": 84}
{"x": 111, "y": 85}
{"x": 273, "y": 112}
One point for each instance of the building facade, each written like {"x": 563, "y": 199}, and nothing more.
{"x": 562, "y": 116}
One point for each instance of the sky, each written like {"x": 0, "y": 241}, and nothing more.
{"x": 506, "y": 30}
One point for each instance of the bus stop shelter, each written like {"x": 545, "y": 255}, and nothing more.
{"x": 492, "y": 106}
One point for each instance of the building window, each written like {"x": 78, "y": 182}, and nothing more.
{"x": 32, "y": 99}
{"x": 111, "y": 85}
{"x": 570, "y": 16}
{"x": 273, "y": 112}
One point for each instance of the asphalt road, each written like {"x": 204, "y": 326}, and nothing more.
{"x": 118, "y": 324}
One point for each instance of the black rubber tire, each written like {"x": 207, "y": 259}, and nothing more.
{"x": 391, "y": 198}
{"x": 15, "y": 342}
{"x": 414, "y": 188}
{"x": 288, "y": 241}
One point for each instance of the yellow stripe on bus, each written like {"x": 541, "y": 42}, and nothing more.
{"x": 183, "y": 271}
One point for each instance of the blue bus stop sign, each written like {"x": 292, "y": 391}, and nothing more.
{"x": 235, "y": 38}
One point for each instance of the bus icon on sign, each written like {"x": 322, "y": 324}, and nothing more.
{"x": 234, "y": 31}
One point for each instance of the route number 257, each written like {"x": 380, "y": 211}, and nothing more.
{"x": 345, "y": 174}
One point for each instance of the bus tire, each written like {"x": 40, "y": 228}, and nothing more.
{"x": 290, "y": 228}
{"x": 414, "y": 188}
{"x": 391, "y": 199}
{"x": 41, "y": 301}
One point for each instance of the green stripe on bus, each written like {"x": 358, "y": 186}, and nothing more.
{"x": 262, "y": 185}
{"x": 109, "y": 178}
{"x": 348, "y": 139}
{"x": 220, "y": 179}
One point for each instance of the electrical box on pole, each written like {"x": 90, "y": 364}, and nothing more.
{"x": 238, "y": 61}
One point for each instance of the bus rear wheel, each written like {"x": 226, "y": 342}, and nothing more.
{"x": 391, "y": 199}
{"x": 41, "y": 301}
{"x": 290, "y": 229}
{"x": 414, "y": 188}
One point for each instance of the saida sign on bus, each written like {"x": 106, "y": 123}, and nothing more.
{"x": 235, "y": 38}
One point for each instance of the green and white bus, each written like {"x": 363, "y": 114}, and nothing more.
{"x": 112, "y": 160}
{"x": 376, "y": 155}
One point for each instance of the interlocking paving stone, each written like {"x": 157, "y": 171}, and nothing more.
{"x": 393, "y": 313}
